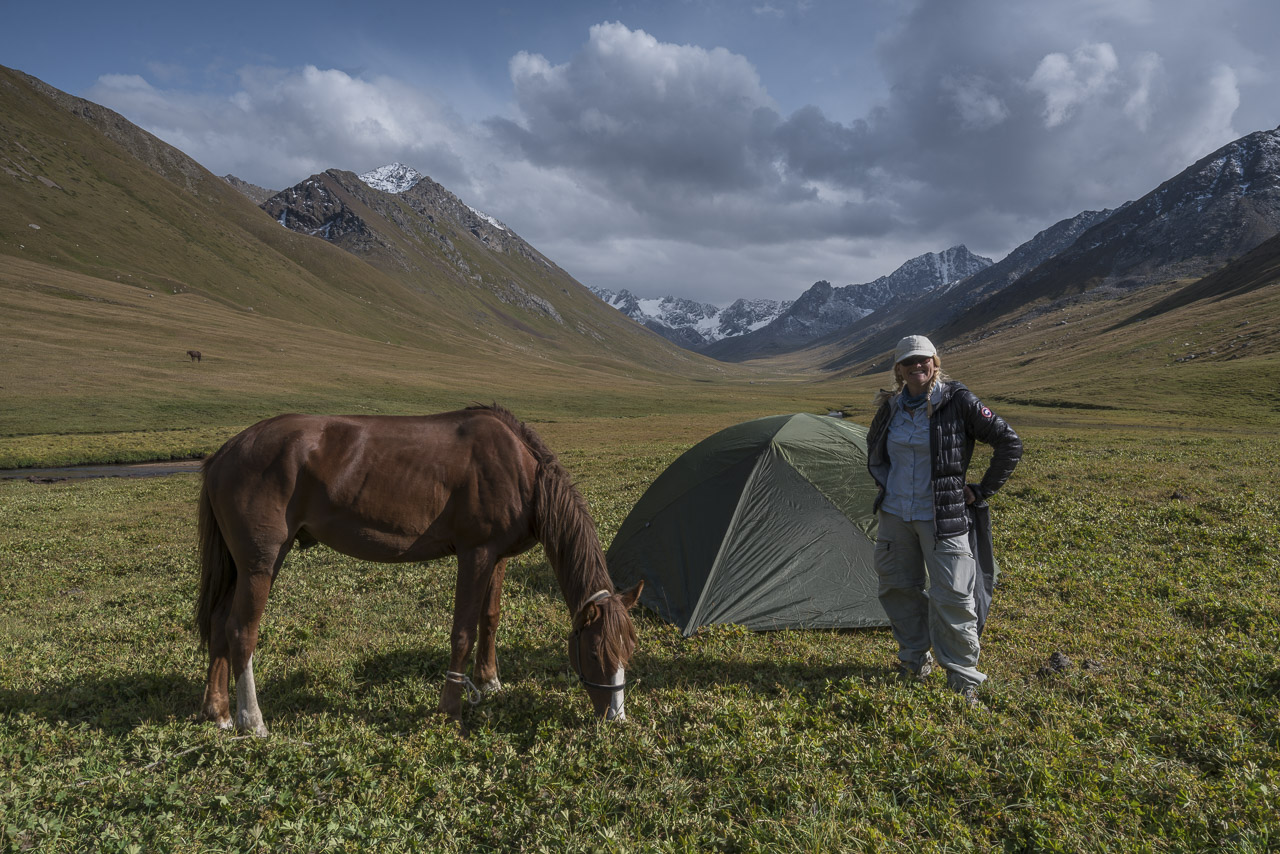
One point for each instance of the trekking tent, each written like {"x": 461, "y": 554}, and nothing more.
{"x": 767, "y": 524}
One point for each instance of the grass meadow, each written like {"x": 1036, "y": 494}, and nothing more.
{"x": 1133, "y": 704}
{"x": 1145, "y": 559}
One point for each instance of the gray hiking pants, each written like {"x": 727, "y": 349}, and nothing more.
{"x": 944, "y": 617}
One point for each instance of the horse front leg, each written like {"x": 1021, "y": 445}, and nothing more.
{"x": 487, "y": 638}
{"x": 475, "y": 568}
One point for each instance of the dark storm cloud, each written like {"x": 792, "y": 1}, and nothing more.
{"x": 686, "y": 136}
{"x": 997, "y": 117}
{"x": 671, "y": 168}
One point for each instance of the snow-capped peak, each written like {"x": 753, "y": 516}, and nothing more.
{"x": 394, "y": 178}
{"x": 694, "y": 324}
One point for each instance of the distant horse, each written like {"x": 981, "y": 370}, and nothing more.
{"x": 476, "y": 483}
{"x": 194, "y": 354}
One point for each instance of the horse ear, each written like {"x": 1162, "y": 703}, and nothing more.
{"x": 586, "y": 616}
{"x": 632, "y": 596}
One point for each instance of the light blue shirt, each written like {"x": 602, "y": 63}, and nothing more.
{"x": 909, "y": 491}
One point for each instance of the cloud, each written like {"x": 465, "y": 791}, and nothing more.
{"x": 1000, "y": 120}
{"x": 670, "y": 168}
{"x": 1215, "y": 101}
{"x": 996, "y": 124}
{"x": 971, "y": 96}
{"x": 1139, "y": 104}
{"x": 677, "y": 115}
{"x": 688, "y": 139}
{"x": 281, "y": 126}
{"x": 1066, "y": 82}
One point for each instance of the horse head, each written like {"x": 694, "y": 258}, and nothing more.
{"x": 600, "y": 645}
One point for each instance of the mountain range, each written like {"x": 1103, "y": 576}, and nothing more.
{"x": 760, "y": 326}
{"x": 108, "y": 215}
{"x": 823, "y": 309}
{"x": 102, "y": 219}
{"x": 693, "y": 324}
{"x": 1218, "y": 209}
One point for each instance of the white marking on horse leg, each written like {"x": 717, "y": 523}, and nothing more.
{"x": 248, "y": 715}
{"x": 493, "y": 686}
{"x": 617, "y": 703}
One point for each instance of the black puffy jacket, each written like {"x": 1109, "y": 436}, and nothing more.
{"x": 958, "y": 419}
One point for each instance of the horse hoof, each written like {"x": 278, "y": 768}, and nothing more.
{"x": 493, "y": 686}
{"x": 251, "y": 725}
{"x": 221, "y": 721}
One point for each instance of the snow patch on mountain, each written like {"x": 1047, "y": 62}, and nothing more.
{"x": 484, "y": 216}
{"x": 690, "y": 323}
{"x": 392, "y": 178}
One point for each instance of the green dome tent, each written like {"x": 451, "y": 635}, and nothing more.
{"x": 767, "y": 524}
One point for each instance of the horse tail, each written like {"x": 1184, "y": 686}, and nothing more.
{"x": 217, "y": 569}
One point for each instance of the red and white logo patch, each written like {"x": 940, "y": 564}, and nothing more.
{"x": 986, "y": 413}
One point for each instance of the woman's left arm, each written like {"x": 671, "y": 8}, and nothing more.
{"x": 986, "y": 426}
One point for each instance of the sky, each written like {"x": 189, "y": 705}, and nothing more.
{"x": 708, "y": 149}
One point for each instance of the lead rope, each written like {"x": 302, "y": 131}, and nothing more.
{"x": 473, "y": 693}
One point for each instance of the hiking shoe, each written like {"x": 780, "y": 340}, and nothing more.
{"x": 907, "y": 673}
{"x": 969, "y": 694}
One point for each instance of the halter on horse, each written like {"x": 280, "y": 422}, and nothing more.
{"x": 616, "y": 689}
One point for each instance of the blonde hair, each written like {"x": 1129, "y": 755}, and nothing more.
{"x": 939, "y": 376}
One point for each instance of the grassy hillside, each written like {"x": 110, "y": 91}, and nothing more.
{"x": 1207, "y": 361}
{"x": 85, "y": 357}
{"x": 120, "y": 253}
{"x": 89, "y": 193}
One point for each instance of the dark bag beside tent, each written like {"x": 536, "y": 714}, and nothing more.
{"x": 984, "y": 555}
{"x": 767, "y": 524}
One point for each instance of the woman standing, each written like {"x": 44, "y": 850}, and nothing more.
{"x": 918, "y": 451}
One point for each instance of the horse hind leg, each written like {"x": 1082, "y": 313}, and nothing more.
{"x": 216, "y": 705}
{"x": 242, "y": 634}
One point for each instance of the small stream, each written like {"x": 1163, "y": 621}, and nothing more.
{"x": 58, "y": 473}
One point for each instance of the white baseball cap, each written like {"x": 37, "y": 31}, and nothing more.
{"x": 914, "y": 345}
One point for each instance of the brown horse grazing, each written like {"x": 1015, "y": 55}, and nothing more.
{"x": 194, "y": 354}
{"x": 476, "y": 483}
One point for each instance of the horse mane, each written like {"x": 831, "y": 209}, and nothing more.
{"x": 562, "y": 522}
{"x": 618, "y": 640}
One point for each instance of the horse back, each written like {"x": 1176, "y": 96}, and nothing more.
{"x": 380, "y": 487}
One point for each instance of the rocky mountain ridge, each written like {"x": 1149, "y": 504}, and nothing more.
{"x": 1218, "y": 209}
{"x": 256, "y": 194}
{"x": 430, "y": 262}
{"x": 825, "y": 309}
{"x": 1214, "y": 211}
{"x": 412, "y": 225}
{"x": 879, "y": 331}
{"x": 785, "y": 324}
